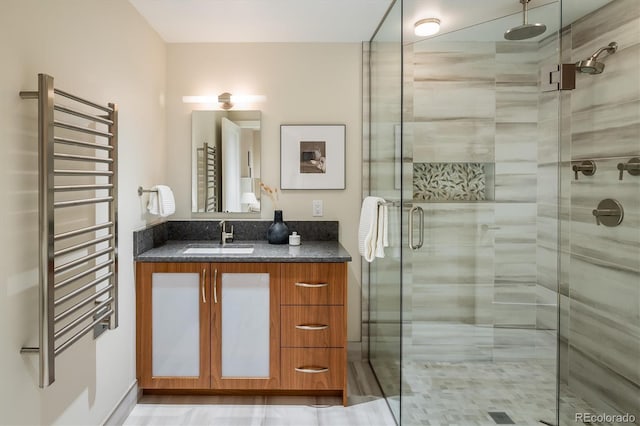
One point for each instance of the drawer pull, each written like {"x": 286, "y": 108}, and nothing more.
{"x": 307, "y": 285}
{"x": 312, "y": 327}
{"x": 311, "y": 369}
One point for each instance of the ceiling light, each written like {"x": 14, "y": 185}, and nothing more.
{"x": 427, "y": 27}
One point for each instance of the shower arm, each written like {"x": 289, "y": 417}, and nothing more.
{"x": 611, "y": 48}
{"x": 525, "y": 11}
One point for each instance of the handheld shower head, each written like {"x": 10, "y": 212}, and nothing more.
{"x": 591, "y": 65}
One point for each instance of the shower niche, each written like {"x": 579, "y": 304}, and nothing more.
{"x": 450, "y": 182}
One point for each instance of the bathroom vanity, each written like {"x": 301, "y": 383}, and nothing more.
{"x": 272, "y": 321}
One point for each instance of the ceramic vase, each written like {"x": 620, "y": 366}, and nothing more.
{"x": 278, "y": 232}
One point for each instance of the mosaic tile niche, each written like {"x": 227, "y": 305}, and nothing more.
{"x": 452, "y": 182}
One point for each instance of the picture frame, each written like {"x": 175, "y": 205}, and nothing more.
{"x": 312, "y": 156}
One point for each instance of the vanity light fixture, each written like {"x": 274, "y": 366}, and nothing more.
{"x": 226, "y": 100}
{"x": 426, "y": 27}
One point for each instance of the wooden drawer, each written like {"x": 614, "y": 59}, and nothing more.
{"x": 313, "y": 283}
{"x": 303, "y": 368}
{"x": 312, "y": 326}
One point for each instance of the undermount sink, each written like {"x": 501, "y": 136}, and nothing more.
{"x": 218, "y": 249}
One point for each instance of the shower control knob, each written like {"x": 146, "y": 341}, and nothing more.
{"x": 632, "y": 166}
{"x": 609, "y": 212}
{"x": 587, "y": 167}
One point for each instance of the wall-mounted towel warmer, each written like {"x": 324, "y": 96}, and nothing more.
{"x": 78, "y": 272}
{"x": 207, "y": 178}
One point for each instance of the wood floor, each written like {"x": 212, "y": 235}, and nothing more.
{"x": 366, "y": 408}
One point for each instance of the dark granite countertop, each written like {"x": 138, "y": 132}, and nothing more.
{"x": 308, "y": 251}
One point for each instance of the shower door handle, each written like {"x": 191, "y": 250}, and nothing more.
{"x": 421, "y": 233}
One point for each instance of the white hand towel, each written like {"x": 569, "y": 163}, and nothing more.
{"x": 382, "y": 240}
{"x": 152, "y": 204}
{"x": 373, "y": 228}
{"x": 161, "y": 201}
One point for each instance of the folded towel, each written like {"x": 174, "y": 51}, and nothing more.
{"x": 382, "y": 241}
{"x": 161, "y": 201}
{"x": 372, "y": 232}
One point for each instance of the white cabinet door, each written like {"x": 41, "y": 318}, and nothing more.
{"x": 173, "y": 339}
{"x": 176, "y": 324}
{"x": 245, "y": 324}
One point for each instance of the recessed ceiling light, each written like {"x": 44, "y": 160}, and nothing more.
{"x": 427, "y": 27}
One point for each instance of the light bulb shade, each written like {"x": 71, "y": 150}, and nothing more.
{"x": 225, "y": 100}
{"x": 248, "y": 198}
{"x": 427, "y": 27}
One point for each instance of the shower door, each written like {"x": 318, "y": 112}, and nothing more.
{"x": 480, "y": 310}
{"x": 384, "y": 179}
{"x": 523, "y": 304}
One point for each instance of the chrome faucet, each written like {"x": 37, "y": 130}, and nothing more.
{"x": 224, "y": 234}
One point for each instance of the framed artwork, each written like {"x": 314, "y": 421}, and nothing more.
{"x": 312, "y": 156}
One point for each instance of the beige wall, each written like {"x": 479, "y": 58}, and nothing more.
{"x": 303, "y": 84}
{"x": 104, "y": 51}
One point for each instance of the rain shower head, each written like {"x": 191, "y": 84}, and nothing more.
{"x": 526, "y": 30}
{"x": 591, "y": 65}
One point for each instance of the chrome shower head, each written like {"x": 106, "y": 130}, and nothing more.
{"x": 526, "y": 30}
{"x": 591, "y": 65}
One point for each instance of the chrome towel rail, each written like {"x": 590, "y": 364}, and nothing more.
{"x": 141, "y": 190}
{"x": 78, "y": 265}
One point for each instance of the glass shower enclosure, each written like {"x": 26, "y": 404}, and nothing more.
{"x": 522, "y": 304}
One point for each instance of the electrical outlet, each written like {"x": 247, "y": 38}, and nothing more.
{"x": 317, "y": 207}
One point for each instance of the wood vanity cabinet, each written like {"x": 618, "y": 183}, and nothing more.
{"x": 180, "y": 315}
{"x": 314, "y": 327}
{"x": 242, "y": 327}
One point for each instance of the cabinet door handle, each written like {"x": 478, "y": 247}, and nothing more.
{"x": 312, "y": 327}
{"x": 312, "y": 369}
{"x": 202, "y": 286}
{"x": 312, "y": 285}
{"x": 215, "y": 286}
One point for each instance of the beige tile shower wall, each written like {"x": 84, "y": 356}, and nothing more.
{"x": 604, "y": 297}
{"x": 547, "y": 216}
{"x": 514, "y": 300}
{"x": 451, "y": 87}
{"x": 454, "y": 102}
{"x": 477, "y": 102}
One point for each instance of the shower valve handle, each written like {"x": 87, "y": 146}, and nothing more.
{"x": 609, "y": 213}
{"x": 632, "y": 166}
{"x": 587, "y": 167}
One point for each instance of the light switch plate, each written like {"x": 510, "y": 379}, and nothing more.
{"x": 317, "y": 208}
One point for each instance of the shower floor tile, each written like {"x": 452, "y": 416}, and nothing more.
{"x": 464, "y": 393}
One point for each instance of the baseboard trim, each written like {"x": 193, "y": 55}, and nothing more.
{"x": 122, "y": 410}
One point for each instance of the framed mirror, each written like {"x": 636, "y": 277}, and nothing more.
{"x": 225, "y": 161}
